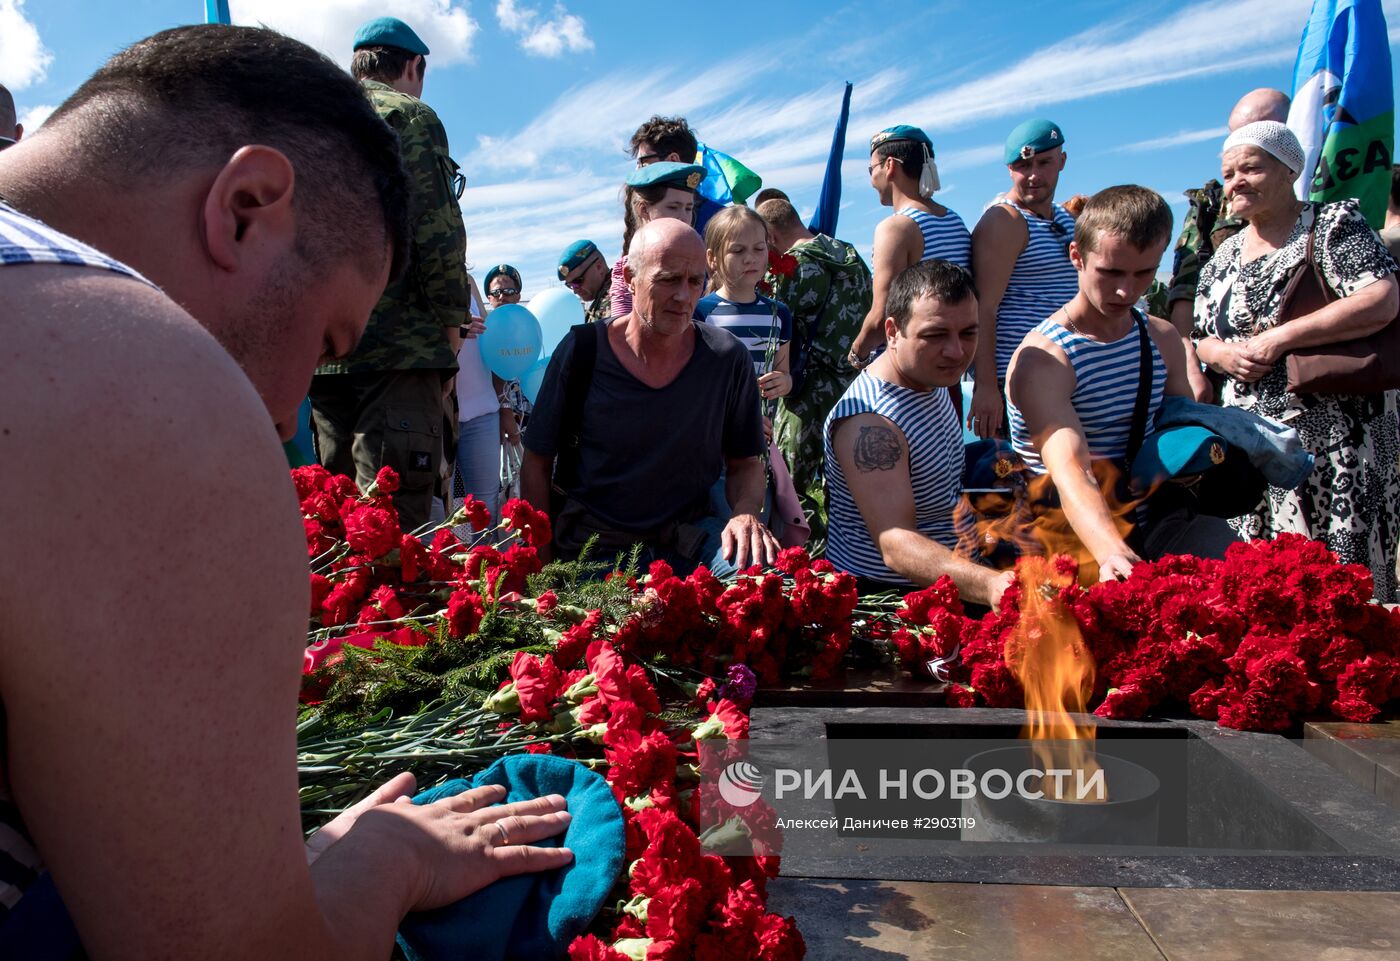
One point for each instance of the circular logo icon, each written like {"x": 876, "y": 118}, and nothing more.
{"x": 741, "y": 784}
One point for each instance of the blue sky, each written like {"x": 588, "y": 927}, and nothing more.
{"x": 540, "y": 99}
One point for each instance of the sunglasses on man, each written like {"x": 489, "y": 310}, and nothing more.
{"x": 504, "y": 292}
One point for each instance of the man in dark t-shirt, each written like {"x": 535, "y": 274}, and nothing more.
{"x": 670, "y": 404}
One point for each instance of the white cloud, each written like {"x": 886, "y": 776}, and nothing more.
{"x": 33, "y": 118}
{"x": 544, "y": 37}
{"x": 329, "y": 25}
{"x": 1174, "y": 140}
{"x": 24, "y": 60}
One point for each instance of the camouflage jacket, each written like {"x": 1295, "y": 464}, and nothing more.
{"x": 407, "y": 328}
{"x": 600, "y": 308}
{"x": 1208, "y": 224}
{"x": 829, "y": 296}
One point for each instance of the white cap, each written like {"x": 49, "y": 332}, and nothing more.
{"x": 1272, "y": 137}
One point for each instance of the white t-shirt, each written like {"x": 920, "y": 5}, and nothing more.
{"x": 476, "y": 397}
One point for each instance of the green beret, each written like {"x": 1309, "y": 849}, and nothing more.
{"x": 902, "y": 132}
{"x": 575, "y": 255}
{"x": 500, "y": 269}
{"x": 1176, "y": 452}
{"x": 1031, "y": 138}
{"x": 389, "y": 32}
{"x": 668, "y": 172}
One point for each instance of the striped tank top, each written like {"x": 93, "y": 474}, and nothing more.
{"x": 24, "y": 241}
{"x": 945, "y": 238}
{"x": 1105, "y": 391}
{"x": 933, "y": 435}
{"x": 1042, "y": 281}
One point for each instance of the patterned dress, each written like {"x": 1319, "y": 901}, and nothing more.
{"x": 1351, "y": 501}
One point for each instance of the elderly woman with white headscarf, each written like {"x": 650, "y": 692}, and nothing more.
{"x": 1352, "y": 499}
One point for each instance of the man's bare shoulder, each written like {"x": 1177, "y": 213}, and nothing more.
{"x": 898, "y": 230}
{"x": 1040, "y": 370}
{"x": 1000, "y": 222}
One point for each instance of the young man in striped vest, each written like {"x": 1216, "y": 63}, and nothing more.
{"x": 1073, "y": 384}
{"x": 894, "y": 450}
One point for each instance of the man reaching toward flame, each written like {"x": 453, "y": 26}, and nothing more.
{"x": 1086, "y": 384}
{"x": 894, "y": 449}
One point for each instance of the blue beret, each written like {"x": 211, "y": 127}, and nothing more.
{"x": 497, "y": 271}
{"x": 1031, "y": 138}
{"x": 1176, "y": 452}
{"x": 529, "y": 915}
{"x": 389, "y": 32}
{"x": 575, "y": 255}
{"x": 668, "y": 172}
{"x": 902, "y": 132}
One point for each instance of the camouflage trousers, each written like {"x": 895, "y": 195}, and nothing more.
{"x": 797, "y": 429}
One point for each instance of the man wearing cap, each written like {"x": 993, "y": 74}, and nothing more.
{"x": 1020, "y": 257}
{"x": 503, "y": 286}
{"x": 583, "y": 269}
{"x": 383, "y": 405}
{"x": 1208, "y": 224}
{"x": 10, "y": 128}
{"x": 904, "y": 176}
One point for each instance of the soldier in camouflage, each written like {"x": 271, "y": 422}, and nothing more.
{"x": 1208, "y": 224}
{"x": 584, "y": 270}
{"x": 383, "y": 406}
{"x": 829, "y": 294}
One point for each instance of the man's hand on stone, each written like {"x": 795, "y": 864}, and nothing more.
{"x": 745, "y": 541}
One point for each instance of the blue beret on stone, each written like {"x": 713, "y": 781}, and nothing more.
{"x": 497, "y": 271}
{"x": 389, "y": 32}
{"x": 529, "y": 916}
{"x": 668, "y": 172}
{"x": 1176, "y": 452}
{"x": 575, "y": 255}
{"x": 902, "y": 132}
{"x": 1031, "y": 138}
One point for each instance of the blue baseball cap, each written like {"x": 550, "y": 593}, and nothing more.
{"x": 1031, "y": 138}
{"x": 1176, "y": 452}
{"x": 389, "y": 32}
{"x": 668, "y": 172}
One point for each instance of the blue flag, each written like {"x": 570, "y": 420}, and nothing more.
{"x": 829, "y": 203}
{"x": 216, "y": 11}
{"x": 1343, "y": 108}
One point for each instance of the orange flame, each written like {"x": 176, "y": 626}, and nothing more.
{"x": 1047, "y": 654}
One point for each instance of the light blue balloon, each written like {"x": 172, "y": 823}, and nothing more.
{"x": 533, "y": 379}
{"x": 511, "y": 341}
{"x": 557, "y": 309}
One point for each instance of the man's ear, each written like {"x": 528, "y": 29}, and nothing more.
{"x": 1076, "y": 256}
{"x": 247, "y": 210}
{"x": 19, "y": 132}
{"x": 891, "y": 330}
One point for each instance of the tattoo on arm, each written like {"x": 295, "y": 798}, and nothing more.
{"x": 876, "y": 449}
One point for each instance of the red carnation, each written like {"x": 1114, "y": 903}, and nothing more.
{"x": 589, "y": 948}
{"x": 538, "y": 682}
{"x": 464, "y": 612}
{"x": 387, "y": 480}
{"x": 372, "y": 531}
{"x": 530, "y": 524}
{"x": 476, "y": 513}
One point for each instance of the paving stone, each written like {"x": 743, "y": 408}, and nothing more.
{"x": 848, "y": 920}
{"x": 1220, "y": 925}
{"x": 1368, "y": 754}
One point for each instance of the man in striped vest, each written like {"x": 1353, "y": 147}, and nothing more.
{"x": 1073, "y": 385}
{"x": 894, "y": 451}
{"x": 905, "y": 177}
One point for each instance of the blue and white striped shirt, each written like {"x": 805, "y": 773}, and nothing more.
{"x": 1105, "y": 392}
{"x": 24, "y": 240}
{"x": 945, "y": 238}
{"x": 933, "y": 435}
{"x": 1042, "y": 281}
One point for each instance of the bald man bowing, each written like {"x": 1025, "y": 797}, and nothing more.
{"x": 637, "y": 417}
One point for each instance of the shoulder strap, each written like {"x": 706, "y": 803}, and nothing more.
{"x": 576, "y": 386}
{"x": 1144, "y": 394}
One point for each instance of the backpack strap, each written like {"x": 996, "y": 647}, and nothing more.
{"x": 1138, "y": 431}
{"x": 579, "y": 381}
